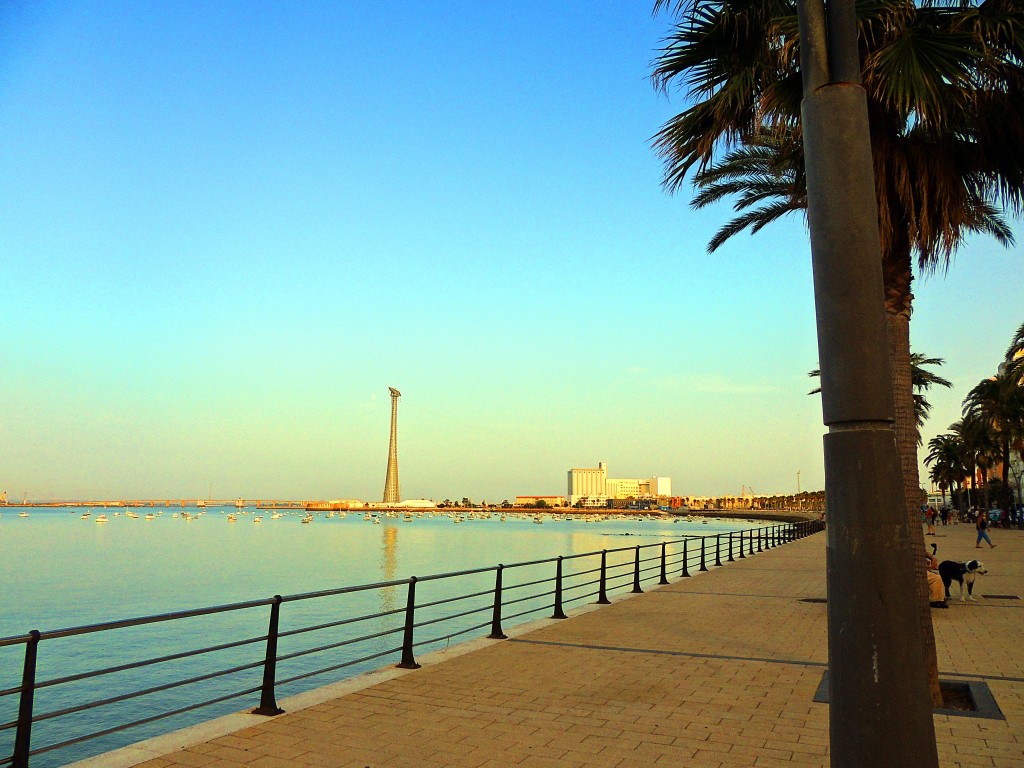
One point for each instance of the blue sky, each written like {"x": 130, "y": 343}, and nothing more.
{"x": 228, "y": 228}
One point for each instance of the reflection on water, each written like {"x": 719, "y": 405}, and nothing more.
{"x": 389, "y": 567}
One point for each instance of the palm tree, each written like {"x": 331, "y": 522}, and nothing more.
{"x": 922, "y": 380}
{"x": 945, "y": 96}
{"x": 1014, "y": 361}
{"x": 998, "y": 403}
{"x": 975, "y": 436}
{"x": 947, "y": 458}
{"x": 946, "y": 107}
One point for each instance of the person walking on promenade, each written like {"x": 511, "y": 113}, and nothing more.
{"x": 929, "y": 516}
{"x": 982, "y": 526}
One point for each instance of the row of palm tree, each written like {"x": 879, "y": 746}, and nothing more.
{"x": 990, "y": 435}
{"x": 944, "y": 81}
{"x": 945, "y": 93}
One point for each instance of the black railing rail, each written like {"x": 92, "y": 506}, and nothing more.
{"x": 646, "y": 562}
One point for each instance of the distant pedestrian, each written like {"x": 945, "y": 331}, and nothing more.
{"x": 944, "y": 514}
{"x": 929, "y": 516}
{"x": 982, "y": 526}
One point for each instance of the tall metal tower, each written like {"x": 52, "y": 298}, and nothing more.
{"x": 391, "y": 494}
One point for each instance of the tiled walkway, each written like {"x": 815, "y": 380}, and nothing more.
{"x": 715, "y": 670}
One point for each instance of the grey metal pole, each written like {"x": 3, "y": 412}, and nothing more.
{"x": 408, "y": 660}
{"x": 880, "y": 708}
{"x": 23, "y": 735}
{"x": 268, "y": 702}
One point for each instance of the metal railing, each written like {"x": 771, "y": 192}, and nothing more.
{"x": 358, "y": 641}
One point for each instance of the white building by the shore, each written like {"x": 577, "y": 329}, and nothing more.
{"x": 593, "y": 485}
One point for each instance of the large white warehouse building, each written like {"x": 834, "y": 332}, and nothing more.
{"x": 593, "y": 487}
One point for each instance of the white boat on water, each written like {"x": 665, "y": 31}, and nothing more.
{"x": 102, "y": 519}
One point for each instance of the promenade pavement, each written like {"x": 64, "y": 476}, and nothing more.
{"x": 715, "y": 670}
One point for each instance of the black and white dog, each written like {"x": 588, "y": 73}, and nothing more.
{"x": 961, "y": 573}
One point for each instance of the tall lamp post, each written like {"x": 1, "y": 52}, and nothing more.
{"x": 880, "y": 709}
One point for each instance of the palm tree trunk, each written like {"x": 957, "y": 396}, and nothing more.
{"x": 972, "y": 487}
{"x": 898, "y": 307}
{"x": 1007, "y": 496}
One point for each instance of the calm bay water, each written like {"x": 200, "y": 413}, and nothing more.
{"x": 60, "y": 570}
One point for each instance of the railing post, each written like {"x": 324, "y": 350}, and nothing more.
{"x": 703, "y": 565}
{"x": 408, "y": 661}
{"x": 664, "y": 572}
{"x": 760, "y": 539}
{"x": 731, "y": 558}
{"x": 559, "y": 613}
{"x": 23, "y": 735}
{"x": 750, "y": 539}
{"x": 636, "y": 572}
{"x": 718, "y": 549}
{"x": 742, "y": 556}
{"x": 602, "y": 597}
{"x": 496, "y": 633}
{"x": 685, "y": 572}
{"x": 268, "y": 702}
